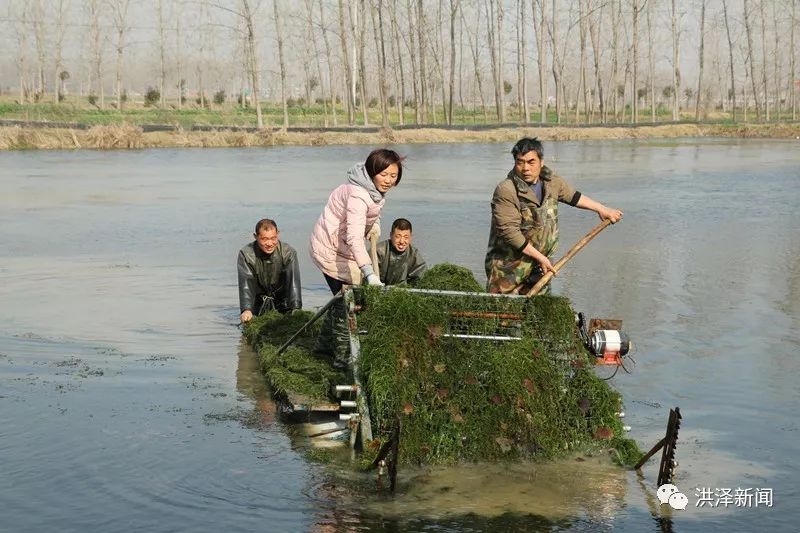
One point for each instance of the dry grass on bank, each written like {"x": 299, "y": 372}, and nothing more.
{"x": 132, "y": 137}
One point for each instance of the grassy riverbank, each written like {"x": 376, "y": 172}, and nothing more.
{"x": 128, "y": 136}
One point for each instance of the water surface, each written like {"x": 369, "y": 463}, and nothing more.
{"x": 127, "y": 400}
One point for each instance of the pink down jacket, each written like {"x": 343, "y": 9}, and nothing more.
{"x": 337, "y": 243}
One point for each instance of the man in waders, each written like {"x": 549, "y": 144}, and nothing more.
{"x": 269, "y": 274}
{"x": 400, "y": 263}
{"x": 524, "y": 230}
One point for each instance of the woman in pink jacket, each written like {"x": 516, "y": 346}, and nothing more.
{"x": 337, "y": 243}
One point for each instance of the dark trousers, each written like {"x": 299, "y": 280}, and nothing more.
{"x": 334, "y": 338}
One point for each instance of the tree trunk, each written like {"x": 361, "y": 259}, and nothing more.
{"x": 162, "y": 45}
{"x": 58, "y": 80}
{"x": 377, "y": 30}
{"x": 635, "y": 95}
{"x": 310, "y": 21}
{"x": 253, "y": 65}
{"x": 792, "y": 86}
{"x": 41, "y": 47}
{"x": 581, "y": 89}
{"x": 22, "y": 57}
{"x": 348, "y": 69}
{"x": 178, "y": 59}
{"x": 750, "y": 58}
{"x": 594, "y": 34}
{"x": 423, "y": 71}
{"x": 476, "y": 61}
{"x": 676, "y": 75}
{"x": 730, "y": 56}
{"x": 651, "y": 62}
{"x": 776, "y": 67}
{"x": 359, "y": 31}
{"x": 329, "y": 57}
{"x": 120, "y": 11}
{"x": 764, "y": 61}
{"x": 555, "y": 65}
{"x": 540, "y": 56}
{"x": 698, "y": 96}
{"x": 454, "y": 4}
{"x": 401, "y": 98}
{"x": 615, "y": 21}
{"x": 282, "y": 63}
{"x": 412, "y": 52}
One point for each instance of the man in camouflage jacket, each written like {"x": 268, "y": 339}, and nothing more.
{"x": 400, "y": 263}
{"x": 524, "y": 229}
{"x": 269, "y": 274}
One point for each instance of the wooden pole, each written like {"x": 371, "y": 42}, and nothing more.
{"x": 569, "y": 255}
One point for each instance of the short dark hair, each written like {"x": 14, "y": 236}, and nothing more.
{"x": 528, "y": 144}
{"x": 266, "y": 224}
{"x": 402, "y": 224}
{"x": 380, "y": 159}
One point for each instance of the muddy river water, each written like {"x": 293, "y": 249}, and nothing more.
{"x": 128, "y": 401}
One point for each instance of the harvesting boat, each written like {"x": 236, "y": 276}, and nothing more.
{"x": 441, "y": 376}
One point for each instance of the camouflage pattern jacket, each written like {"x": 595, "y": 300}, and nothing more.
{"x": 275, "y": 275}
{"x": 400, "y": 268}
{"x": 518, "y": 218}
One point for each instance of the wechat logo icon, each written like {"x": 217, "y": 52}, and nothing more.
{"x": 670, "y": 494}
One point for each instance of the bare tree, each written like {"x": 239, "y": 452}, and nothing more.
{"x": 730, "y": 56}
{"x": 179, "y": 57}
{"x": 792, "y": 87}
{"x": 281, "y": 62}
{"x": 423, "y": 71}
{"x": 400, "y": 99}
{"x": 538, "y": 26}
{"x": 651, "y": 60}
{"x": 309, "y": 9}
{"x": 635, "y": 92}
{"x": 454, "y": 5}
{"x": 251, "y": 55}
{"x": 59, "y": 74}
{"x": 472, "y": 38}
{"x": 616, "y": 7}
{"x": 41, "y": 46}
{"x": 594, "y": 30}
{"x": 581, "y": 85}
{"x": 764, "y": 61}
{"x": 750, "y": 60}
{"x": 21, "y": 29}
{"x": 330, "y": 61}
{"x": 700, "y": 59}
{"x": 494, "y": 27}
{"x": 555, "y": 62}
{"x": 119, "y": 11}
{"x": 359, "y": 29}
{"x": 676, "y": 72}
{"x": 162, "y": 46}
{"x": 412, "y": 51}
{"x": 377, "y": 30}
{"x": 348, "y": 69}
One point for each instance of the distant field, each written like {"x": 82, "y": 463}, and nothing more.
{"x": 79, "y": 110}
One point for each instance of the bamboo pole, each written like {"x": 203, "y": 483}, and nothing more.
{"x": 569, "y": 255}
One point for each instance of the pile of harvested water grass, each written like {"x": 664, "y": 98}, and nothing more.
{"x": 296, "y": 370}
{"x": 446, "y": 276}
{"x": 468, "y": 400}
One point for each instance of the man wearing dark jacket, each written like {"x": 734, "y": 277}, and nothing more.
{"x": 269, "y": 274}
{"x": 399, "y": 262}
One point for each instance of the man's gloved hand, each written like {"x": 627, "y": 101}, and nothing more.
{"x": 370, "y": 276}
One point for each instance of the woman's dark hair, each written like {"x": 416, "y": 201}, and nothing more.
{"x": 380, "y": 159}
